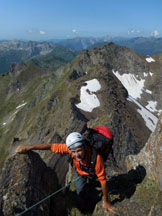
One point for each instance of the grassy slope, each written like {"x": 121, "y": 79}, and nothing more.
{"x": 37, "y": 86}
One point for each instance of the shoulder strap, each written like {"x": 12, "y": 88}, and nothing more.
{"x": 70, "y": 160}
{"x": 92, "y": 161}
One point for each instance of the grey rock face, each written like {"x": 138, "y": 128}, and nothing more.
{"x": 150, "y": 156}
{"x": 15, "y": 69}
{"x": 126, "y": 62}
{"x": 26, "y": 180}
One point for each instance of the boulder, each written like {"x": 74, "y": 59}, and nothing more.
{"x": 150, "y": 156}
{"x": 26, "y": 180}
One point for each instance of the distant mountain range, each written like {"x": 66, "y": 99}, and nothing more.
{"x": 12, "y": 52}
{"x": 80, "y": 43}
{"x": 143, "y": 45}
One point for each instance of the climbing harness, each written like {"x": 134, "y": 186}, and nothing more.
{"x": 49, "y": 196}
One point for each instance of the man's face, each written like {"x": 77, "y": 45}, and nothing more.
{"x": 78, "y": 153}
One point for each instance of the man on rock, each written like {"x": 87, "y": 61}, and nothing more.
{"x": 81, "y": 154}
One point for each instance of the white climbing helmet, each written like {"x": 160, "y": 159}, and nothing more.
{"x": 74, "y": 140}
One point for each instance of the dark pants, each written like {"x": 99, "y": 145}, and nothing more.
{"x": 83, "y": 183}
{"x": 85, "y": 189}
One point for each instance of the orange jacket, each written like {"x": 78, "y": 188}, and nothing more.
{"x": 99, "y": 167}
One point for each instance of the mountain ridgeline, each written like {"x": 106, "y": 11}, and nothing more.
{"x": 143, "y": 45}
{"x": 43, "y": 54}
{"x": 11, "y": 52}
{"x": 39, "y": 105}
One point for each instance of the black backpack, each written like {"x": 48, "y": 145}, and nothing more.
{"x": 100, "y": 139}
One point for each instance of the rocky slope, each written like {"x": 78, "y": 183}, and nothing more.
{"x": 26, "y": 180}
{"x": 150, "y": 156}
{"x": 142, "y": 184}
{"x": 29, "y": 177}
{"x": 40, "y": 106}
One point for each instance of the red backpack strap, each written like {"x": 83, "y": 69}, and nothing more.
{"x": 104, "y": 131}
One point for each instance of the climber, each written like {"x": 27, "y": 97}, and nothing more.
{"x": 80, "y": 153}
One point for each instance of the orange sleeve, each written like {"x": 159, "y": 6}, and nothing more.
{"x": 58, "y": 148}
{"x": 100, "y": 169}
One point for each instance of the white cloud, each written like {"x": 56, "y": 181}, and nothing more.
{"x": 36, "y": 31}
{"x": 31, "y": 31}
{"x": 155, "y": 33}
{"x": 74, "y": 31}
{"x": 134, "y": 31}
{"x": 42, "y": 32}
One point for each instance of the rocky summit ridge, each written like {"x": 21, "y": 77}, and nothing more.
{"x": 41, "y": 106}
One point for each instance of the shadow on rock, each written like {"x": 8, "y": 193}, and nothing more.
{"x": 124, "y": 185}
{"x": 91, "y": 196}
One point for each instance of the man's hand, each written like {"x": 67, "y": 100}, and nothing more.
{"x": 22, "y": 149}
{"x": 25, "y": 148}
{"x": 108, "y": 207}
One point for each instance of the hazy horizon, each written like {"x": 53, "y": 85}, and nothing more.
{"x": 50, "y": 19}
{"x": 55, "y": 40}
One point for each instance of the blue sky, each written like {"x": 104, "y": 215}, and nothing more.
{"x": 52, "y": 19}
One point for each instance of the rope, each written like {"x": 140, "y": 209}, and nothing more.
{"x": 69, "y": 184}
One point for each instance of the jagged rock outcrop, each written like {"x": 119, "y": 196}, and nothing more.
{"x": 16, "y": 69}
{"x": 150, "y": 156}
{"x": 25, "y": 180}
{"x": 123, "y": 61}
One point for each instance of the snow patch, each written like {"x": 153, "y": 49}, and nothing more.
{"x": 150, "y": 59}
{"x": 159, "y": 112}
{"x": 145, "y": 74}
{"x": 148, "y": 91}
{"x": 133, "y": 85}
{"x": 88, "y": 99}
{"x": 21, "y": 105}
{"x": 149, "y": 118}
{"x": 150, "y": 73}
{"x": 13, "y": 115}
{"x": 152, "y": 107}
{"x": 5, "y": 197}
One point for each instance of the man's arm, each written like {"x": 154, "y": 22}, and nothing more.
{"x": 25, "y": 148}
{"x": 107, "y": 205}
{"x": 101, "y": 174}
